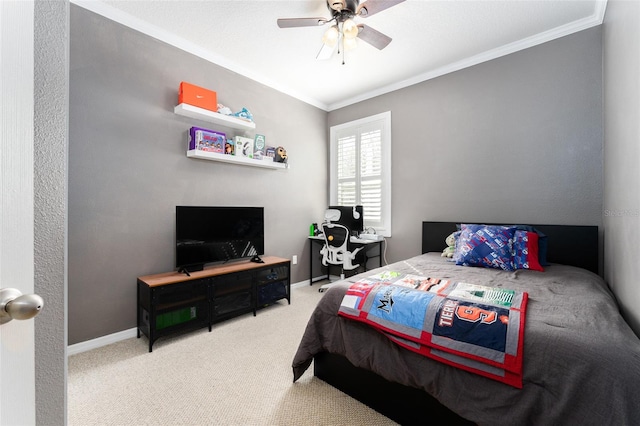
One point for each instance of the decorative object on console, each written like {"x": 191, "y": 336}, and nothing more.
{"x": 197, "y": 96}
{"x": 280, "y": 155}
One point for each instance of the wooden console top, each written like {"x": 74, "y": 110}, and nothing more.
{"x": 211, "y": 271}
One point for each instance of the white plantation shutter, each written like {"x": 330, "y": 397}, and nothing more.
{"x": 347, "y": 170}
{"x": 361, "y": 169}
{"x": 371, "y": 176}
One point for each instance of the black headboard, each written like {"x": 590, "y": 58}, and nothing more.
{"x": 574, "y": 245}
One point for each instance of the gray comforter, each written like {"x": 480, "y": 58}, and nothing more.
{"x": 581, "y": 360}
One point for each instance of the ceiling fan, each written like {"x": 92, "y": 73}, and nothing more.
{"x": 344, "y": 29}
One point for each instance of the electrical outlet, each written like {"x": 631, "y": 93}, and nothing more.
{"x": 294, "y": 259}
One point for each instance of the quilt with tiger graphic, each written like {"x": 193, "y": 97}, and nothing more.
{"x": 476, "y": 328}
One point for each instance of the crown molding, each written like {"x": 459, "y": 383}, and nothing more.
{"x": 123, "y": 18}
{"x": 594, "y": 20}
{"x": 158, "y": 33}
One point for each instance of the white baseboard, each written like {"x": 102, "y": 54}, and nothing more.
{"x": 123, "y": 335}
{"x": 101, "y": 341}
{"x": 300, "y": 284}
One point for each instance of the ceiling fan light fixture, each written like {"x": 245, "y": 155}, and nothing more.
{"x": 331, "y": 36}
{"x": 349, "y": 44}
{"x": 344, "y": 30}
{"x": 349, "y": 29}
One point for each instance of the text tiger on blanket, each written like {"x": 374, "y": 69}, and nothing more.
{"x": 476, "y": 328}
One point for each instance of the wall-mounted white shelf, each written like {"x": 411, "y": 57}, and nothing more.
{"x": 214, "y": 156}
{"x": 213, "y": 117}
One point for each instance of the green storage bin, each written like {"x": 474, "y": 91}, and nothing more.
{"x": 175, "y": 317}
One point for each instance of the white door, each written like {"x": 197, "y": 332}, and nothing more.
{"x": 17, "y": 360}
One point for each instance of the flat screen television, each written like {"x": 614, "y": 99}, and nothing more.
{"x": 217, "y": 234}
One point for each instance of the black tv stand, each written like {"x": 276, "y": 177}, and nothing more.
{"x": 256, "y": 259}
{"x": 172, "y": 302}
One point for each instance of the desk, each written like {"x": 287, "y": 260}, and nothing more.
{"x": 354, "y": 242}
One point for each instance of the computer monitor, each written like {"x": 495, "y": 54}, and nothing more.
{"x": 350, "y": 216}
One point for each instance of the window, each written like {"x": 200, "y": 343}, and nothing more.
{"x": 360, "y": 164}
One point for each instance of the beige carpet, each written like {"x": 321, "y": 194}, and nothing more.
{"x": 239, "y": 374}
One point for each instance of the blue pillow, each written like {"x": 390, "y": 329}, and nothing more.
{"x": 485, "y": 246}
{"x": 542, "y": 241}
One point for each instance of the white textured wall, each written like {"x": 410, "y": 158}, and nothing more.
{"x": 621, "y": 46}
{"x": 51, "y": 83}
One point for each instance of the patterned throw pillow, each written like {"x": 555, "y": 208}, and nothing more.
{"x": 485, "y": 246}
{"x": 542, "y": 243}
{"x": 525, "y": 251}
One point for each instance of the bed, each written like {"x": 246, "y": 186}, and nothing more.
{"x": 581, "y": 360}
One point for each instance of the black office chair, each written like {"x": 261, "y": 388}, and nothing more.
{"x": 335, "y": 250}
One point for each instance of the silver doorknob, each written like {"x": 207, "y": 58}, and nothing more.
{"x": 15, "y": 305}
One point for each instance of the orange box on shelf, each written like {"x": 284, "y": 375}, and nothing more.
{"x": 197, "y": 96}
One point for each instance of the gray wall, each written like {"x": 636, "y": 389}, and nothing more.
{"x": 518, "y": 138}
{"x": 128, "y": 167}
{"x": 621, "y": 45}
{"x": 51, "y": 107}
{"x": 515, "y": 139}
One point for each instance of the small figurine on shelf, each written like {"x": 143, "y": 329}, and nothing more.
{"x": 244, "y": 113}
{"x": 228, "y": 147}
{"x": 281, "y": 155}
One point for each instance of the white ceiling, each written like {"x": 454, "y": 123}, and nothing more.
{"x": 430, "y": 38}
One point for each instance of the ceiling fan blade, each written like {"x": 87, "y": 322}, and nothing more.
{"x": 326, "y": 51}
{"x": 301, "y": 22}
{"x": 371, "y": 7}
{"x": 373, "y": 37}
